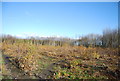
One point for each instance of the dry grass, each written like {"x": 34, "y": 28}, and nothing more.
{"x": 79, "y": 62}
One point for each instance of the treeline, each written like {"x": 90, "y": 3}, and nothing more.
{"x": 110, "y": 38}
{"x": 8, "y": 39}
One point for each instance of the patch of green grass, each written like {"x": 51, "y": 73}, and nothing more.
{"x": 76, "y": 72}
{"x": 6, "y": 77}
{"x": 2, "y": 61}
{"x": 44, "y": 62}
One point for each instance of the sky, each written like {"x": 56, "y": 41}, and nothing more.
{"x": 66, "y": 19}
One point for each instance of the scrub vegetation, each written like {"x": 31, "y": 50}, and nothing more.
{"x": 59, "y": 59}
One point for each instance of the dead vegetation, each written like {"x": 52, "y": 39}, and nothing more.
{"x": 68, "y": 62}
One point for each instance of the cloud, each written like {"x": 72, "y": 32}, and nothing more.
{"x": 31, "y": 34}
